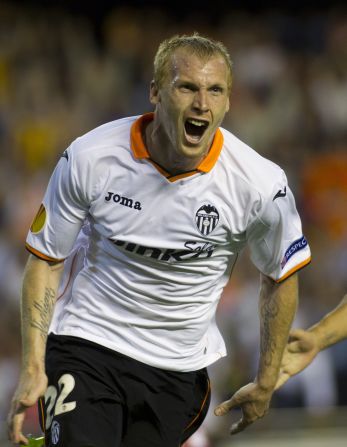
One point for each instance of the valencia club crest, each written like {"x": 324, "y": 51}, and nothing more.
{"x": 206, "y": 219}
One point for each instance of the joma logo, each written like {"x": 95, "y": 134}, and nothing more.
{"x": 116, "y": 198}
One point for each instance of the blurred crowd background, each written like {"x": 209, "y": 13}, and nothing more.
{"x": 65, "y": 70}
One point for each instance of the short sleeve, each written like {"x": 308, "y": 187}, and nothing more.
{"x": 63, "y": 210}
{"x": 278, "y": 247}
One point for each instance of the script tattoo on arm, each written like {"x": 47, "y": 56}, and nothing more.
{"x": 268, "y": 311}
{"x": 45, "y": 309}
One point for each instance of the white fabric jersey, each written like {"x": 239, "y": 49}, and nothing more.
{"x": 160, "y": 248}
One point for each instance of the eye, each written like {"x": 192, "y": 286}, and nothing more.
{"x": 187, "y": 88}
{"x": 216, "y": 89}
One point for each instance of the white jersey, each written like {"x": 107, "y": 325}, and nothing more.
{"x": 161, "y": 248}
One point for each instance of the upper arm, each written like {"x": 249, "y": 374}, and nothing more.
{"x": 278, "y": 247}
{"x": 41, "y": 280}
{"x": 64, "y": 208}
{"x": 288, "y": 285}
{"x": 40, "y": 266}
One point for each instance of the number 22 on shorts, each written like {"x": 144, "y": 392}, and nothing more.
{"x": 55, "y": 399}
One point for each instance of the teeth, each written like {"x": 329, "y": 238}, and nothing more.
{"x": 197, "y": 123}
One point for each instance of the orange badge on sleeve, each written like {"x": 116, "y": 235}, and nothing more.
{"x": 39, "y": 220}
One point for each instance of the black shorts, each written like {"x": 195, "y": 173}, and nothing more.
{"x": 100, "y": 398}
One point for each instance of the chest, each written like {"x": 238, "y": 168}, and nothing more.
{"x": 144, "y": 211}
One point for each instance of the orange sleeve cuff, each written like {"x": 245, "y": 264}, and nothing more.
{"x": 294, "y": 269}
{"x": 41, "y": 255}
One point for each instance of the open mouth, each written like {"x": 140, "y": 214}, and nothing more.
{"x": 195, "y": 129}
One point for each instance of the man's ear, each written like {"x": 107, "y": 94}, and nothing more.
{"x": 154, "y": 95}
{"x": 228, "y": 105}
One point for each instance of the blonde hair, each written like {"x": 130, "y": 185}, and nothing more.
{"x": 201, "y": 46}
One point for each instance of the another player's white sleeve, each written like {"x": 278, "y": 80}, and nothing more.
{"x": 278, "y": 247}
{"x": 63, "y": 210}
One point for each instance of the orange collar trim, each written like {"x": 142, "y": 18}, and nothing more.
{"x": 136, "y": 141}
{"x": 140, "y": 151}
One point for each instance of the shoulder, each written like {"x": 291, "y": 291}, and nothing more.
{"x": 91, "y": 156}
{"x": 105, "y": 140}
{"x": 251, "y": 169}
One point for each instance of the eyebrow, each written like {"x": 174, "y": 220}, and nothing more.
{"x": 218, "y": 85}
{"x": 195, "y": 86}
{"x": 190, "y": 84}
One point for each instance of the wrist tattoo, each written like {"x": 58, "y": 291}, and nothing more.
{"x": 269, "y": 311}
{"x": 45, "y": 308}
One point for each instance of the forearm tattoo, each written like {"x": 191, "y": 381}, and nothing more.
{"x": 45, "y": 308}
{"x": 269, "y": 311}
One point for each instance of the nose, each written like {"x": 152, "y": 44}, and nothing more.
{"x": 200, "y": 103}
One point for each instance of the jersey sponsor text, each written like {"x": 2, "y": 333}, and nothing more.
{"x": 194, "y": 250}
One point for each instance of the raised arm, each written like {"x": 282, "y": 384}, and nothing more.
{"x": 303, "y": 346}
{"x": 277, "y": 307}
{"x": 39, "y": 291}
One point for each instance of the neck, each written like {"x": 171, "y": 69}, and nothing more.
{"x": 161, "y": 152}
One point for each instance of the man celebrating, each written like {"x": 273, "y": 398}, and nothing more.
{"x": 167, "y": 201}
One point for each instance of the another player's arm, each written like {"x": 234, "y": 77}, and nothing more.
{"x": 332, "y": 328}
{"x": 277, "y": 307}
{"x": 39, "y": 292}
{"x": 303, "y": 346}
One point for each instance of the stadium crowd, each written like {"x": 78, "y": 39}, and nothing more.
{"x": 61, "y": 75}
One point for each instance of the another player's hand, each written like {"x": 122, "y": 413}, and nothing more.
{"x": 253, "y": 401}
{"x": 301, "y": 349}
{"x": 32, "y": 385}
